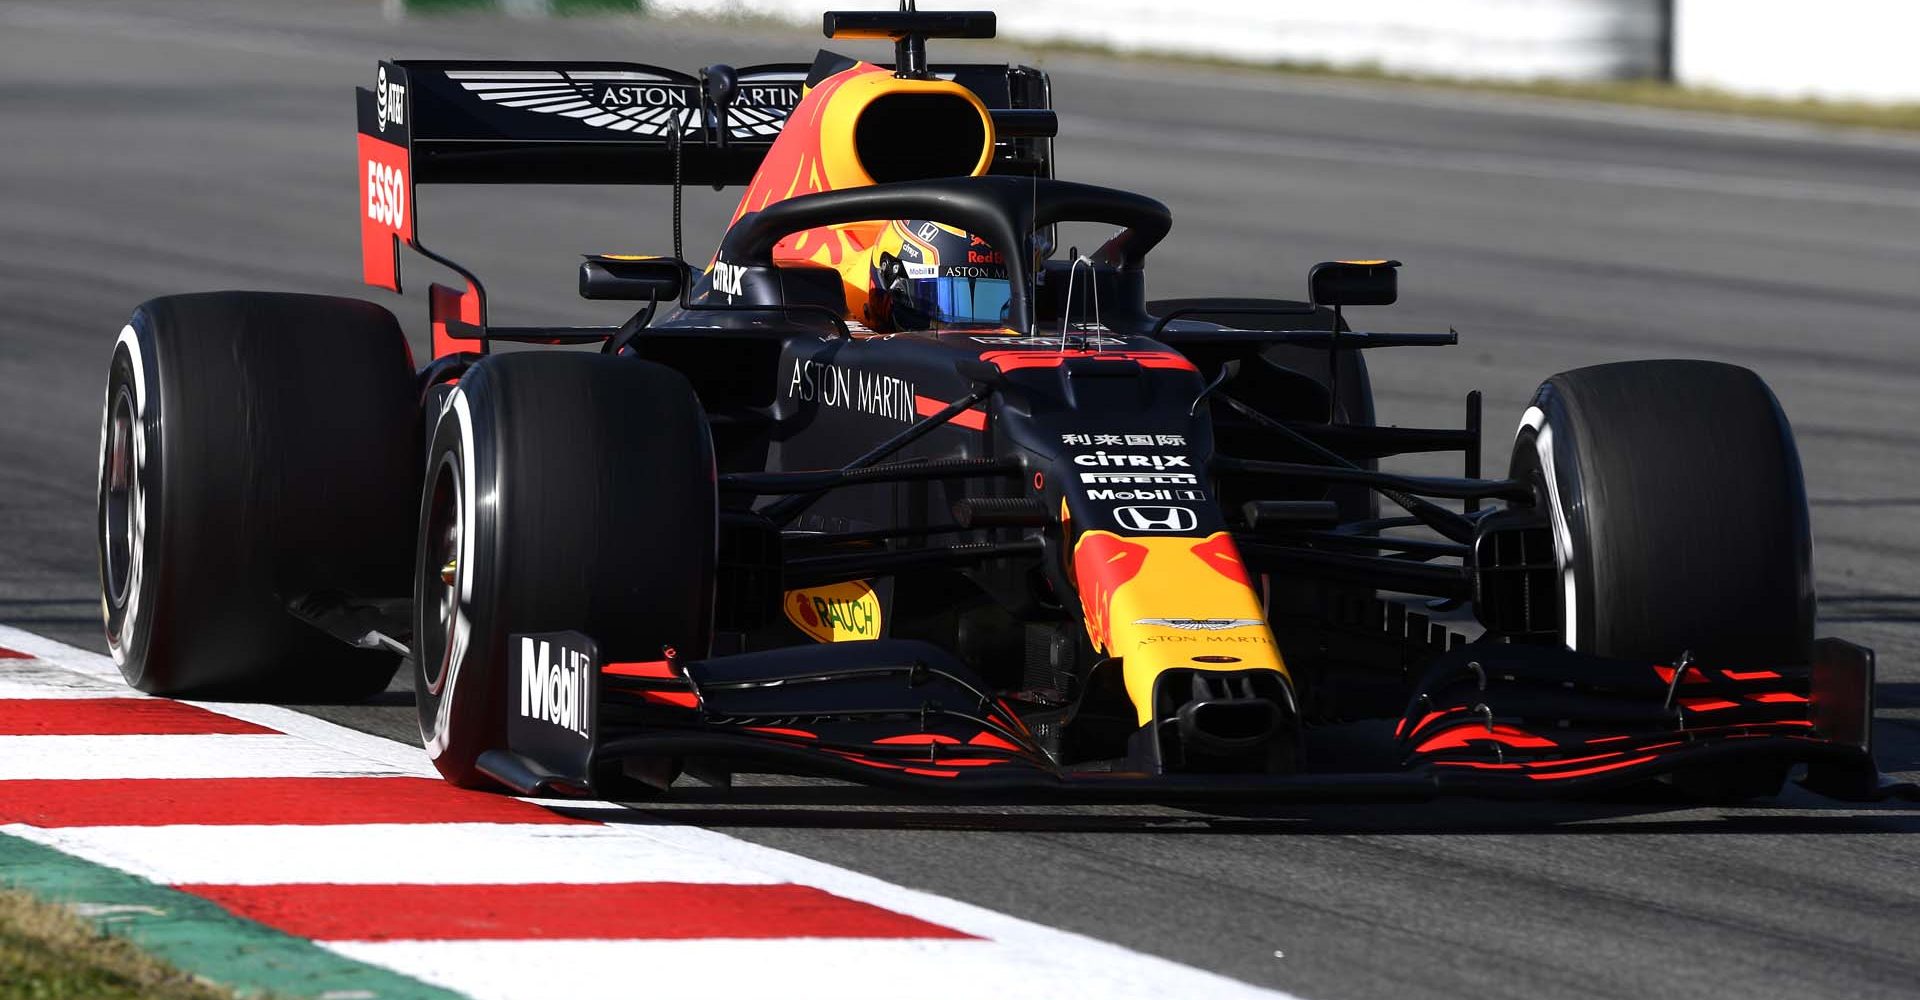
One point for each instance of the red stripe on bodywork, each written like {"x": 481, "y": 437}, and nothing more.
{"x": 614, "y": 911}
{"x": 1751, "y": 675}
{"x": 987, "y": 739}
{"x": 651, "y": 668}
{"x": 927, "y": 406}
{"x": 678, "y": 699}
{"x": 1777, "y": 698}
{"x": 1008, "y": 361}
{"x": 114, "y": 717}
{"x": 281, "y": 801}
{"x": 13, "y": 654}
{"x": 1461, "y": 736}
{"x": 1591, "y": 770}
{"x": 1103, "y": 563}
{"x": 1218, "y": 551}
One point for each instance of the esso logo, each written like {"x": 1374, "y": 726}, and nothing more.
{"x": 386, "y": 195}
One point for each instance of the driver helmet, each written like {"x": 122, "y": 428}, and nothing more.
{"x": 928, "y": 275}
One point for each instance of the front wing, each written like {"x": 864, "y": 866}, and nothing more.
{"x": 1493, "y": 720}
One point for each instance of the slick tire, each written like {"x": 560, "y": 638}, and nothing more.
{"x": 564, "y": 491}
{"x": 1678, "y": 511}
{"x": 255, "y": 447}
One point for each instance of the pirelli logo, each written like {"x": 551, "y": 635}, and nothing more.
{"x": 1140, "y": 478}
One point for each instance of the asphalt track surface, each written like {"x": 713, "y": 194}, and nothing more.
{"x": 156, "y": 147}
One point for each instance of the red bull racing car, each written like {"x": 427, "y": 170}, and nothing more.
{"x": 891, "y": 489}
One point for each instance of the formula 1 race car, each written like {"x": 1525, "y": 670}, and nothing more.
{"x": 891, "y": 491}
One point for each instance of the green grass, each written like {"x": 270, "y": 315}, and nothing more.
{"x": 48, "y": 953}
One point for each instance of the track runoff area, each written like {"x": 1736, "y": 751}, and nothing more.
{"x": 270, "y": 850}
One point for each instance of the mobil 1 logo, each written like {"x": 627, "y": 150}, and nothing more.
{"x": 552, "y": 700}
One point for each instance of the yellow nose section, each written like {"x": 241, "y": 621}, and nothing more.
{"x": 1160, "y": 602}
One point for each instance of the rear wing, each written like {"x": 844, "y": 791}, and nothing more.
{"x": 480, "y": 122}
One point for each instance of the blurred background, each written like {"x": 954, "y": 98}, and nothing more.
{"x": 1849, "y": 50}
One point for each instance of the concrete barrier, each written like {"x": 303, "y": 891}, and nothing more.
{"x": 1487, "y": 39}
{"x": 1862, "y": 50}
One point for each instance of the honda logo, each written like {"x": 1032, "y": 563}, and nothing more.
{"x": 1156, "y": 518}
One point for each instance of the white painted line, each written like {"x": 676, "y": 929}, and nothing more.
{"x": 1017, "y": 958}
{"x": 399, "y": 758}
{"x": 393, "y": 757}
{"x": 78, "y": 660}
{"x": 389, "y": 853}
{"x": 791, "y": 968}
{"x": 211, "y": 756}
{"x": 35, "y": 679}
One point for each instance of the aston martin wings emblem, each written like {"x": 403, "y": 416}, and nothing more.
{"x": 1202, "y": 624}
{"x": 631, "y": 101}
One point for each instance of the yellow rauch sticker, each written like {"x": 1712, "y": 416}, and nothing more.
{"x": 840, "y": 612}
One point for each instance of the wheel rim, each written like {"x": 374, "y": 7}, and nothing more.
{"x": 120, "y": 518}
{"x": 440, "y": 575}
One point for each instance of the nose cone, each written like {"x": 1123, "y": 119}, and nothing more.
{"x": 1220, "y": 722}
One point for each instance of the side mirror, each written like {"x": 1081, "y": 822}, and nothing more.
{"x": 639, "y": 279}
{"x": 1354, "y": 283}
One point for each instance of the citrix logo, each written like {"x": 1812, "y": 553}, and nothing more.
{"x": 727, "y": 278}
{"x": 1111, "y": 460}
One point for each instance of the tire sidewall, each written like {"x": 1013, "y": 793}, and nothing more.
{"x": 1546, "y": 453}
{"x": 131, "y": 622}
{"x": 460, "y": 694}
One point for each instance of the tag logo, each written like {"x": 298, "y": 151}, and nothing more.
{"x": 1157, "y": 518}
{"x": 727, "y": 278}
{"x": 553, "y": 685}
{"x": 841, "y": 612}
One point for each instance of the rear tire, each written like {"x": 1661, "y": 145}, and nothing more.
{"x": 564, "y": 491}
{"x": 1679, "y": 513}
{"x": 255, "y": 447}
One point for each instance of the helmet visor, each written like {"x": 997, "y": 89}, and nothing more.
{"x": 961, "y": 301}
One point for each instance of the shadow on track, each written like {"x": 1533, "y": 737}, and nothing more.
{"x": 839, "y": 807}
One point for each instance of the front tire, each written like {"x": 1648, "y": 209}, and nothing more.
{"x": 565, "y": 492}
{"x": 1678, "y": 512}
